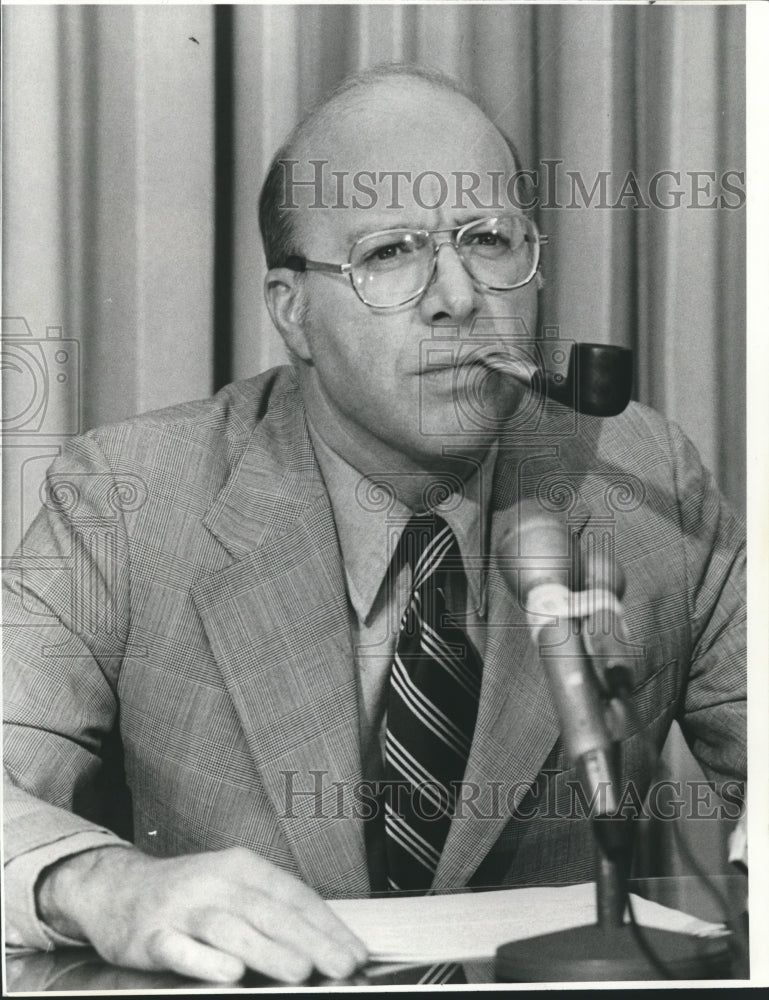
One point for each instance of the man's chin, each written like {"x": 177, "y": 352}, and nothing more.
{"x": 444, "y": 440}
{"x": 472, "y": 420}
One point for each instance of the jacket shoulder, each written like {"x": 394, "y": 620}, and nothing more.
{"x": 220, "y": 426}
{"x": 639, "y": 441}
{"x": 630, "y": 461}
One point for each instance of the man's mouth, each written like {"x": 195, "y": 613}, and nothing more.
{"x": 506, "y": 364}
{"x": 522, "y": 369}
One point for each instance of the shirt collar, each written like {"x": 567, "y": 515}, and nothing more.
{"x": 369, "y": 524}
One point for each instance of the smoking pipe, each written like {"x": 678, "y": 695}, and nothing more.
{"x": 598, "y": 380}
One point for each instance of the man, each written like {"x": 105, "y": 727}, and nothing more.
{"x": 248, "y": 559}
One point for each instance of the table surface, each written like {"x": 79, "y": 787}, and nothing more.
{"x": 80, "y": 970}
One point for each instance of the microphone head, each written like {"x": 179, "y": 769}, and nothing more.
{"x": 601, "y": 571}
{"x": 540, "y": 547}
{"x": 537, "y": 547}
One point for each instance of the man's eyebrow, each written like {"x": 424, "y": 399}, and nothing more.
{"x": 381, "y": 226}
{"x": 390, "y": 223}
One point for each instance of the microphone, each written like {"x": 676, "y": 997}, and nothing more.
{"x": 598, "y": 381}
{"x": 537, "y": 567}
{"x": 603, "y": 627}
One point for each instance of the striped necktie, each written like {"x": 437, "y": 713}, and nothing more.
{"x": 435, "y": 685}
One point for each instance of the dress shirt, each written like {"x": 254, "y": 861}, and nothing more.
{"x": 369, "y": 526}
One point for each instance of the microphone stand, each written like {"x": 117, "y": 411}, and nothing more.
{"x": 609, "y": 950}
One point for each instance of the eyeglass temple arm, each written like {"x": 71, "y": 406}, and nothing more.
{"x": 302, "y": 264}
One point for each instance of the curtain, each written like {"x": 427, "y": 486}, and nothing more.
{"x": 136, "y": 138}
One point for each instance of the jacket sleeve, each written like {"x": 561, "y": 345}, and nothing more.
{"x": 714, "y": 711}
{"x": 65, "y": 610}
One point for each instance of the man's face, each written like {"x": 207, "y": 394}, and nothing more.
{"x": 396, "y": 387}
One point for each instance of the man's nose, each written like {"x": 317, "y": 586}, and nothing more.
{"x": 451, "y": 295}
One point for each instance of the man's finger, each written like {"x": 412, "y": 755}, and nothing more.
{"x": 287, "y": 889}
{"x": 182, "y": 954}
{"x": 320, "y": 915}
{"x": 260, "y": 951}
{"x": 283, "y": 924}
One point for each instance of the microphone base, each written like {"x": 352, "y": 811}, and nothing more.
{"x": 595, "y": 954}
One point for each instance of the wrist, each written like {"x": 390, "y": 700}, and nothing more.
{"x": 65, "y": 891}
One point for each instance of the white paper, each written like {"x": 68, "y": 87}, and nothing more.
{"x": 471, "y": 926}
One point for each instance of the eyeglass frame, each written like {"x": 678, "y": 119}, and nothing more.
{"x": 296, "y": 262}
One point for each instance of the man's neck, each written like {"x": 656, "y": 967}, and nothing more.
{"x": 412, "y": 479}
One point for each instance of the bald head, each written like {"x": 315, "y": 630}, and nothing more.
{"x": 392, "y": 120}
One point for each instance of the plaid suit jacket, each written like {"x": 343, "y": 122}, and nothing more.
{"x": 183, "y": 585}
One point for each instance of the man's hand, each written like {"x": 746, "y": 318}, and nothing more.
{"x": 209, "y": 916}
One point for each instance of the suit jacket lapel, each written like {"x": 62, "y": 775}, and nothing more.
{"x": 517, "y": 725}
{"x": 278, "y": 622}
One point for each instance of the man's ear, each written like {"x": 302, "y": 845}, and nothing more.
{"x": 284, "y": 294}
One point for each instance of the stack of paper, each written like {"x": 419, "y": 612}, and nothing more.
{"x": 471, "y": 926}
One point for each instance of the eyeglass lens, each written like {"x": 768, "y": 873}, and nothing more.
{"x": 390, "y": 268}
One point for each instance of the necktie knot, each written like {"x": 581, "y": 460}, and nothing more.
{"x": 428, "y": 544}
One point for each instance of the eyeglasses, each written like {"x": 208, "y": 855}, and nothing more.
{"x": 395, "y": 266}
